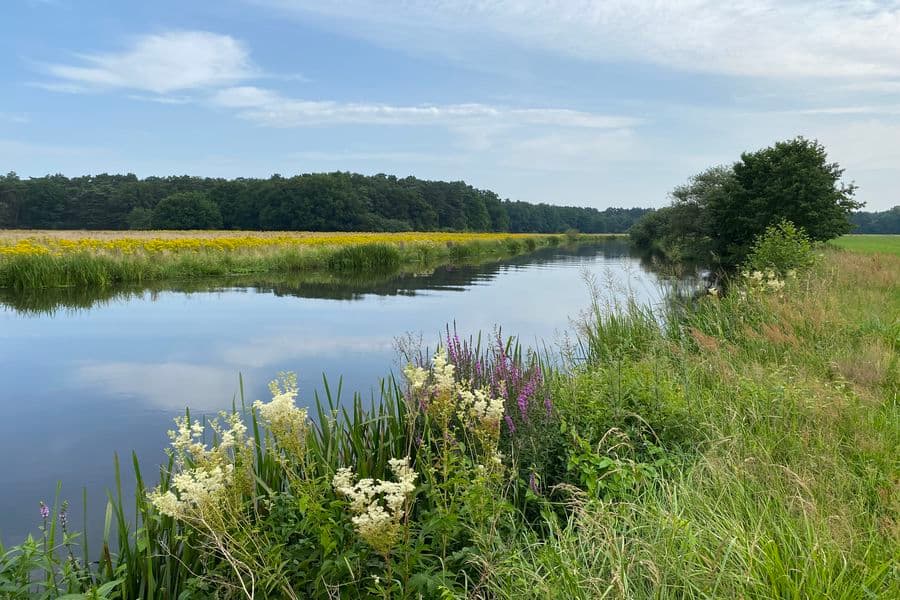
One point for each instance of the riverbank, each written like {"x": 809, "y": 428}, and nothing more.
{"x": 744, "y": 450}
{"x": 34, "y": 260}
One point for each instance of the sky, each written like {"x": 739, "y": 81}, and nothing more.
{"x": 590, "y": 103}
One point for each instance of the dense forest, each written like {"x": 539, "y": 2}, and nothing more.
{"x": 886, "y": 221}
{"x": 310, "y": 202}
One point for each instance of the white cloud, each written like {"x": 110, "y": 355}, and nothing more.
{"x": 170, "y": 386}
{"x": 270, "y": 108}
{"x": 770, "y": 38}
{"x": 159, "y": 63}
{"x": 268, "y": 350}
{"x": 846, "y": 110}
{"x": 573, "y": 150}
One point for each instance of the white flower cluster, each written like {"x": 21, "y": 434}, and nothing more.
{"x": 287, "y": 421}
{"x": 187, "y": 439}
{"x": 471, "y": 404}
{"x": 188, "y": 444}
{"x": 377, "y": 504}
{"x": 766, "y": 281}
{"x": 281, "y": 414}
{"x": 203, "y": 473}
{"x": 198, "y": 489}
{"x": 442, "y": 374}
{"x": 479, "y": 405}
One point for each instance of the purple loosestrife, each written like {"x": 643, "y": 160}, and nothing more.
{"x": 509, "y": 424}
{"x": 45, "y": 511}
{"x": 528, "y": 391}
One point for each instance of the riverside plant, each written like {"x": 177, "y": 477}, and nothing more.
{"x": 102, "y": 259}
{"x": 270, "y": 503}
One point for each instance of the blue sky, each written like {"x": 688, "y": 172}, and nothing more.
{"x": 564, "y": 101}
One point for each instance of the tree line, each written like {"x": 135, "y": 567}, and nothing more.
{"x": 310, "y": 202}
{"x": 886, "y": 221}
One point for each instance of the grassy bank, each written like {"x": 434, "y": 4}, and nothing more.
{"x": 870, "y": 244}
{"x": 746, "y": 449}
{"x": 30, "y": 260}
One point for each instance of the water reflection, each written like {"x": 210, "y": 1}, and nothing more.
{"x": 331, "y": 286}
{"x": 86, "y": 375}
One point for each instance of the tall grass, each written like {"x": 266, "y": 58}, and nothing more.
{"x": 98, "y": 269}
{"x": 788, "y": 488}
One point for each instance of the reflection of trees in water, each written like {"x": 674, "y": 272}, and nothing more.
{"x": 329, "y": 285}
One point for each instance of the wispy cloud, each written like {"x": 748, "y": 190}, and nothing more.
{"x": 768, "y": 38}
{"x": 886, "y": 109}
{"x": 158, "y": 63}
{"x": 272, "y": 109}
{"x": 15, "y": 118}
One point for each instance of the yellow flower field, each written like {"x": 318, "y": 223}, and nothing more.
{"x": 20, "y": 242}
{"x": 43, "y": 259}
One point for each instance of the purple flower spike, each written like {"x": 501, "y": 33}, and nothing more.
{"x": 523, "y": 403}
{"x": 64, "y": 516}
{"x": 45, "y": 511}
{"x": 533, "y": 484}
{"x": 509, "y": 424}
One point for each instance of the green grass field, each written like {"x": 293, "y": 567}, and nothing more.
{"x": 870, "y": 244}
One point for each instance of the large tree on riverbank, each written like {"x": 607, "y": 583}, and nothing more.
{"x": 719, "y": 212}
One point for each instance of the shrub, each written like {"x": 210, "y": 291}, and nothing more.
{"x": 783, "y": 247}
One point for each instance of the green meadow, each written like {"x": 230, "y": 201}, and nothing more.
{"x": 870, "y": 243}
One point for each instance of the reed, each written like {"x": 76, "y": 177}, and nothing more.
{"x": 98, "y": 262}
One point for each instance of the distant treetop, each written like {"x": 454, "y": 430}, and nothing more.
{"x": 310, "y": 202}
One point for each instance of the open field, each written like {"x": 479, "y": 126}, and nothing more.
{"x": 40, "y": 259}
{"x": 869, "y": 244}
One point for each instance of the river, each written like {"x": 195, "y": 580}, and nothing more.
{"x": 86, "y": 375}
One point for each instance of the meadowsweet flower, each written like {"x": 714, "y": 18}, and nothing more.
{"x": 198, "y": 490}
{"x": 416, "y": 376}
{"x": 377, "y": 505}
{"x": 478, "y": 407}
{"x": 187, "y": 439}
{"x": 287, "y": 422}
{"x": 232, "y": 436}
{"x": 443, "y": 372}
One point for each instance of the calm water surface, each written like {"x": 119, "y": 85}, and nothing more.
{"x": 79, "y": 384}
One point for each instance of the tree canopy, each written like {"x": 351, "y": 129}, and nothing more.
{"x": 312, "y": 202}
{"x": 887, "y": 221}
{"x": 185, "y": 210}
{"x": 720, "y": 212}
